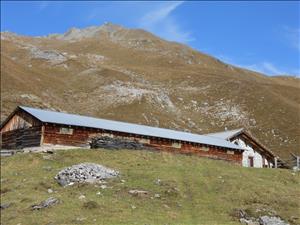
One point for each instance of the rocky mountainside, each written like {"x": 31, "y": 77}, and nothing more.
{"x": 131, "y": 75}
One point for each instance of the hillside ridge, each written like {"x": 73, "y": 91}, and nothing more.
{"x": 131, "y": 75}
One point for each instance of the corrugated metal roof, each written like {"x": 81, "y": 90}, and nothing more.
{"x": 226, "y": 135}
{"x": 84, "y": 121}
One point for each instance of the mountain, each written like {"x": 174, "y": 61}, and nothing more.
{"x": 132, "y": 75}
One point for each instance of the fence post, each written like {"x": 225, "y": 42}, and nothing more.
{"x": 298, "y": 162}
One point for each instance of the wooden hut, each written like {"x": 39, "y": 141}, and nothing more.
{"x": 31, "y": 127}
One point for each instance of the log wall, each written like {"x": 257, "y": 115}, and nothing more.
{"x": 80, "y": 136}
{"x": 52, "y": 135}
{"x": 21, "y": 138}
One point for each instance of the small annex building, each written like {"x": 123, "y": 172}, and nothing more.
{"x": 255, "y": 154}
{"x": 31, "y": 127}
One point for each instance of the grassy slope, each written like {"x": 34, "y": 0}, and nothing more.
{"x": 209, "y": 190}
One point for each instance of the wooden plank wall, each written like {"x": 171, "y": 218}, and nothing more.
{"x": 81, "y": 136}
{"x": 20, "y": 120}
{"x": 21, "y": 138}
{"x": 52, "y": 135}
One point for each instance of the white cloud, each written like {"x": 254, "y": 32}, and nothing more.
{"x": 161, "y": 22}
{"x": 265, "y": 67}
{"x": 292, "y": 35}
{"x": 158, "y": 15}
{"x": 270, "y": 69}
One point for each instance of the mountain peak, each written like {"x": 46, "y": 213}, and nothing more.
{"x": 75, "y": 33}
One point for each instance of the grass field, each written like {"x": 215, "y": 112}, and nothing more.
{"x": 192, "y": 190}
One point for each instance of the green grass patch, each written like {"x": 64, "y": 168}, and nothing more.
{"x": 192, "y": 190}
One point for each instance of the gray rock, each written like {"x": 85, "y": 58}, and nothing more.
{"x": 248, "y": 222}
{"x": 103, "y": 186}
{"x": 5, "y": 205}
{"x": 84, "y": 173}
{"x": 45, "y": 204}
{"x": 81, "y": 197}
{"x": 49, "y": 55}
{"x": 271, "y": 220}
{"x": 139, "y": 193}
{"x": 157, "y": 196}
{"x": 158, "y": 182}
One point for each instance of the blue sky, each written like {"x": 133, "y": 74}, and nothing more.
{"x": 262, "y": 36}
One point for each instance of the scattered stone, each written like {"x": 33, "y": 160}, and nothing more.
{"x": 50, "y": 191}
{"x": 248, "y": 222}
{"x": 45, "y": 204}
{"x": 5, "y": 205}
{"x": 263, "y": 220}
{"x": 80, "y": 219}
{"x": 103, "y": 186}
{"x": 98, "y": 193}
{"x": 81, "y": 197}
{"x": 138, "y": 193}
{"x": 84, "y": 173}
{"x": 123, "y": 181}
{"x": 49, "y": 55}
{"x": 157, "y": 196}
{"x": 158, "y": 182}
{"x": 271, "y": 220}
{"x": 133, "y": 207}
{"x": 166, "y": 206}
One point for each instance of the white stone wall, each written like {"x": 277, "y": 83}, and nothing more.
{"x": 257, "y": 158}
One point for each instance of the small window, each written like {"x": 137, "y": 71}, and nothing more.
{"x": 65, "y": 130}
{"x": 230, "y": 152}
{"x": 204, "y": 148}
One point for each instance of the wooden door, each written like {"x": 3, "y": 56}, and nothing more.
{"x": 250, "y": 161}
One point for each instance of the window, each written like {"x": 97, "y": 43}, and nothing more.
{"x": 176, "y": 145}
{"x": 204, "y": 148}
{"x": 65, "y": 130}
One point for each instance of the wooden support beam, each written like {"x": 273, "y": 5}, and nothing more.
{"x": 275, "y": 162}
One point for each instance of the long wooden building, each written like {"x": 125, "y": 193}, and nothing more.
{"x": 31, "y": 127}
